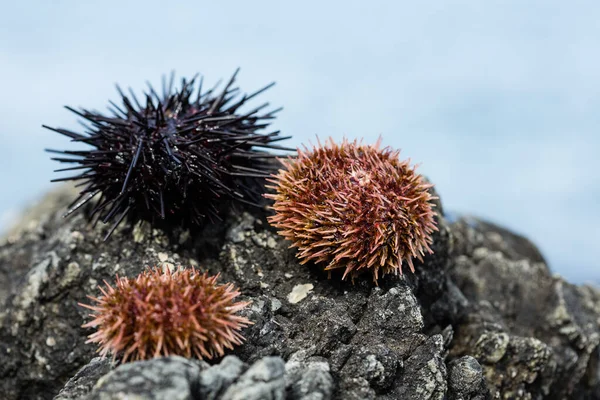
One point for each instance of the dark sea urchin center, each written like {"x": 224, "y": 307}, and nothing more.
{"x": 179, "y": 158}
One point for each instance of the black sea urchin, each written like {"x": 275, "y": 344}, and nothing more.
{"x": 179, "y": 158}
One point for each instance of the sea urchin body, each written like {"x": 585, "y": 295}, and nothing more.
{"x": 162, "y": 313}
{"x": 180, "y": 157}
{"x": 354, "y": 207}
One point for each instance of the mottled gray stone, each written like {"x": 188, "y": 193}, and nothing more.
{"x": 534, "y": 334}
{"x": 424, "y": 374}
{"x": 308, "y": 378}
{"x": 215, "y": 380}
{"x": 173, "y": 378}
{"x": 377, "y": 364}
{"x": 466, "y": 380}
{"x": 83, "y": 381}
{"x": 264, "y": 380}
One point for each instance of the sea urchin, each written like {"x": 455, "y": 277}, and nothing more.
{"x": 179, "y": 157}
{"x": 354, "y": 207}
{"x": 166, "y": 313}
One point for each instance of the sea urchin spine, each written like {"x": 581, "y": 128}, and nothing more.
{"x": 179, "y": 157}
{"x": 166, "y": 313}
{"x": 353, "y": 207}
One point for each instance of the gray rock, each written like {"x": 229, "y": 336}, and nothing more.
{"x": 465, "y": 380}
{"x": 324, "y": 323}
{"x": 173, "y": 378}
{"x": 485, "y": 298}
{"x": 308, "y": 378}
{"x": 315, "y": 384}
{"x": 215, "y": 380}
{"x": 471, "y": 233}
{"x": 377, "y": 364}
{"x": 424, "y": 374}
{"x": 534, "y": 334}
{"x": 83, "y": 381}
{"x": 179, "y": 378}
{"x": 264, "y": 380}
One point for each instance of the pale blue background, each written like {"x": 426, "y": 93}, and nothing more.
{"x": 499, "y": 100}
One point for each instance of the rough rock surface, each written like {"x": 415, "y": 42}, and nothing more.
{"x": 83, "y": 381}
{"x": 483, "y": 318}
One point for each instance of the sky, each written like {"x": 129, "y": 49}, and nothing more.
{"x": 498, "y": 101}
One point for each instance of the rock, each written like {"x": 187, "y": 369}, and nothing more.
{"x": 424, "y": 374}
{"x": 173, "y": 378}
{"x": 308, "y": 378}
{"x": 388, "y": 331}
{"x": 377, "y": 365}
{"x": 471, "y": 233}
{"x": 178, "y": 378}
{"x": 481, "y": 318}
{"x": 534, "y": 334}
{"x": 83, "y": 381}
{"x": 263, "y": 380}
{"x": 30, "y": 228}
{"x": 314, "y": 384}
{"x": 466, "y": 380}
{"x": 216, "y": 379}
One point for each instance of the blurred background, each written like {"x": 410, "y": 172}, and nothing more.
{"x": 499, "y": 101}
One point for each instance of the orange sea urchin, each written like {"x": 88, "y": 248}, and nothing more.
{"x": 166, "y": 313}
{"x": 355, "y": 207}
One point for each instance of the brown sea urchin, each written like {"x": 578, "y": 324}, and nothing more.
{"x": 175, "y": 157}
{"x": 353, "y": 206}
{"x": 166, "y": 313}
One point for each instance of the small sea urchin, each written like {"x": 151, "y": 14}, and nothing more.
{"x": 354, "y": 207}
{"x": 179, "y": 157}
{"x": 166, "y": 313}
